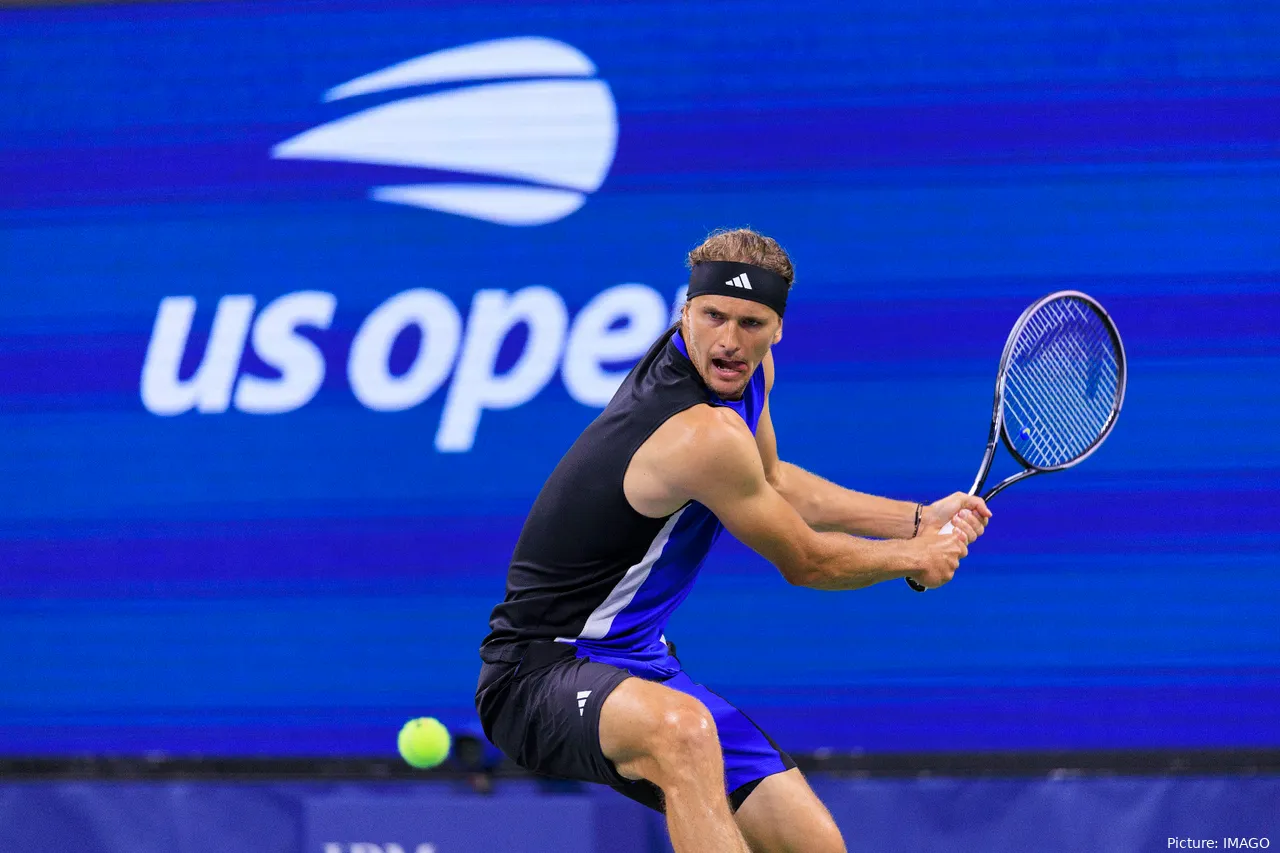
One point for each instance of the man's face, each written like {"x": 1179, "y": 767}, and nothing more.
{"x": 727, "y": 338}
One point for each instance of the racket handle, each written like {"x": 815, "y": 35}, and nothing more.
{"x": 946, "y": 528}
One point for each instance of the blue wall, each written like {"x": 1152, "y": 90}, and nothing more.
{"x": 1116, "y": 815}
{"x": 202, "y": 577}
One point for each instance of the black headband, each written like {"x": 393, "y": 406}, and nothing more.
{"x": 744, "y": 281}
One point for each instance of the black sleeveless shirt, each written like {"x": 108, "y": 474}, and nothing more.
{"x": 588, "y": 569}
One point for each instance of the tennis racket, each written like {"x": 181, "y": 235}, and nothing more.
{"x": 1058, "y": 391}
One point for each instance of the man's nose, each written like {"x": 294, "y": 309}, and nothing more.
{"x": 729, "y": 343}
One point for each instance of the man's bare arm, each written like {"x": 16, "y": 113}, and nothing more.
{"x": 708, "y": 455}
{"x": 826, "y": 506}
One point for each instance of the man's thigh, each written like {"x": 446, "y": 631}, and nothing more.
{"x": 748, "y": 755}
{"x": 546, "y": 715}
{"x": 783, "y": 815}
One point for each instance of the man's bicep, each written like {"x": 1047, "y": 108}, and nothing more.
{"x": 753, "y": 511}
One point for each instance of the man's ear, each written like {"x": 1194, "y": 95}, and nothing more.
{"x": 777, "y": 336}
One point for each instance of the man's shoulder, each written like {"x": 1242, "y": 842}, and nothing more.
{"x": 678, "y": 463}
{"x": 703, "y": 440}
{"x": 704, "y": 425}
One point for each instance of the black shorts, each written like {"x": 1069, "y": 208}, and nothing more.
{"x": 544, "y": 713}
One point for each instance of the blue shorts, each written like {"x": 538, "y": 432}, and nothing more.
{"x": 544, "y": 713}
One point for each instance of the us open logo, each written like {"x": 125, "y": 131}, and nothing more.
{"x": 542, "y": 136}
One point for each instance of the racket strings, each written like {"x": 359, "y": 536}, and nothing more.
{"x": 1061, "y": 382}
{"x": 1095, "y": 357}
{"x": 1052, "y": 422}
{"x": 1061, "y": 367}
{"x": 1070, "y": 365}
{"x": 1058, "y": 370}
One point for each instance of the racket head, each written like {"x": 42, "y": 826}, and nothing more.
{"x": 1062, "y": 380}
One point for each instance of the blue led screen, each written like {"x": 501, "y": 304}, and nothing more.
{"x": 301, "y": 302}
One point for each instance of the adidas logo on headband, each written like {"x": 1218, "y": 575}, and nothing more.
{"x": 729, "y": 278}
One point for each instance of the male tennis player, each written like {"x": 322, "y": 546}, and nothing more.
{"x": 578, "y": 680}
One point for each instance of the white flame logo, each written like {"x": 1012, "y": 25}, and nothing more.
{"x": 556, "y": 135}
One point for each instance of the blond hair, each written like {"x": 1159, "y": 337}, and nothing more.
{"x": 744, "y": 246}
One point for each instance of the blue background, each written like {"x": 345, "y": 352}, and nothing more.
{"x": 302, "y": 583}
{"x": 1056, "y": 815}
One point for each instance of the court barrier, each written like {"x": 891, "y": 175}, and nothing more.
{"x": 1088, "y": 815}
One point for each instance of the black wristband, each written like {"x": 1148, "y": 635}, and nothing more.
{"x": 919, "y": 515}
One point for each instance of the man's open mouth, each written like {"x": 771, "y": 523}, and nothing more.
{"x": 728, "y": 368}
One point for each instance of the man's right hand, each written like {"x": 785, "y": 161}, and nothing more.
{"x": 937, "y": 557}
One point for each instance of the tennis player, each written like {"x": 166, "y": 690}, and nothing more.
{"x": 578, "y": 680}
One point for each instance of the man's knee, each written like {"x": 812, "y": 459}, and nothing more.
{"x": 685, "y": 730}
{"x": 660, "y": 735}
{"x": 682, "y": 744}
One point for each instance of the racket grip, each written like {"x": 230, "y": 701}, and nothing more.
{"x": 945, "y": 529}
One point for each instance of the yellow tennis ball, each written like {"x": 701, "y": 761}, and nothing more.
{"x": 424, "y": 742}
